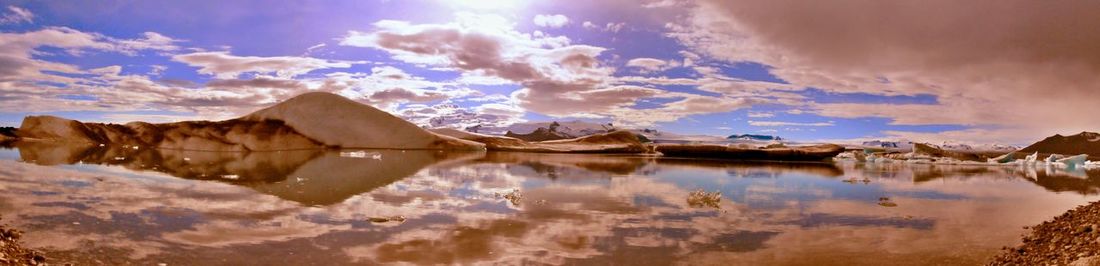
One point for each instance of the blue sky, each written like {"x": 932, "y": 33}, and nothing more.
{"x": 694, "y": 67}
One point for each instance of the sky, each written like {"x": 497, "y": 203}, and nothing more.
{"x": 985, "y": 71}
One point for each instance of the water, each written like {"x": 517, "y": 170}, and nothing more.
{"x": 123, "y": 206}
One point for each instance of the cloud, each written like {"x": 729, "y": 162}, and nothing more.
{"x": 650, "y": 64}
{"x": 760, "y": 115}
{"x": 609, "y": 27}
{"x": 225, "y": 65}
{"x": 661, "y": 4}
{"x": 984, "y": 63}
{"x": 151, "y": 41}
{"x": 399, "y": 94}
{"x": 556, "y": 78}
{"x": 785, "y": 124}
{"x": 551, "y": 21}
{"x": 16, "y": 15}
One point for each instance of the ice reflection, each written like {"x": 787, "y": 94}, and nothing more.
{"x": 118, "y": 205}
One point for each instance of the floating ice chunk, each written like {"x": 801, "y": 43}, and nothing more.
{"x": 1073, "y": 161}
{"x": 1006, "y": 158}
{"x": 120, "y": 158}
{"x": 1031, "y": 159}
{"x": 353, "y": 154}
{"x": 102, "y": 145}
{"x": 1054, "y": 158}
{"x": 361, "y": 154}
{"x": 135, "y": 147}
{"x": 231, "y": 177}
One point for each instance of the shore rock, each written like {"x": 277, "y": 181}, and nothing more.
{"x": 13, "y": 253}
{"x": 1072, "y": 238}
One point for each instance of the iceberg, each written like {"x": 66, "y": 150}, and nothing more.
{"x": 1031, "y": 159}
{"x": 1006, "y": 158}
{"x": 1054, "y": 158}
{"x": 1073, "y": 161}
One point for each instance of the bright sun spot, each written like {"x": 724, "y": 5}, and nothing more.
{"x": 486, "y": 4}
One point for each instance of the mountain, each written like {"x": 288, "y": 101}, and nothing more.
{"x": 930, "y": 150}
{"x": 890, "y": 145}
{"x": 337, "y": 121}
{"x": 1083, "y": 143}
{"x": 1001, "y": 148}
{"x": 754, "y": 137}
{"x": 230, "y": 135}
{"x": 668, "y": 137}
{"x": 572, "y": 128}
{"x": 540, "y": 134}
{"x": 308, "y": 121}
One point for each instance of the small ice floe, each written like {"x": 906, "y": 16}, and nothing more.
{"x": 398, "y": 218}
{"x": 120, "y": 158}
{"x": 701, "y": 198}
{"x": 135, "y": 147}
{"x": 102, "y": 145}
{"x": 514, "y": 197}
{"x": 361, "y": 154}
{"x": 886, "y": 202}
{"x": 231, "y": 177}
{"x": 187, "y": 159}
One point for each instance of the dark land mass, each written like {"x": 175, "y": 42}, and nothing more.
{"x": 1072, "y": 238}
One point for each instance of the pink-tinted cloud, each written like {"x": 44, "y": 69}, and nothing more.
{"x": 1014, "y": 64}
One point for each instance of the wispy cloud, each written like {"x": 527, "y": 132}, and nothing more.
{"x": 788, "y": 124}
{"x": 16, "y": 15}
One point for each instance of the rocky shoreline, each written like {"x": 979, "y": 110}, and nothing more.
{"x": 12, "y": 253}
{"x": 1072, "y": 238}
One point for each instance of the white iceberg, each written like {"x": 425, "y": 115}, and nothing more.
{"x": 1073, "y": 162}
{"x": 361, "y": 154}
{"x": 1006, "y": 158}
{"x": 1031, "y": 159}
{"x": 1054, "y": 158}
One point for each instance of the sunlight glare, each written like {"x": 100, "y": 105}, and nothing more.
{"x": 485, "y": 5}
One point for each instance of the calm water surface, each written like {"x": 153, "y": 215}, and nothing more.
{"x": 125, "y": 206}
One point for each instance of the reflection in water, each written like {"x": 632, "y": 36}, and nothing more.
{"x": 120, "y": 205}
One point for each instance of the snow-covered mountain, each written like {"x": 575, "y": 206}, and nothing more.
{"x": 898, "y": 145}
{"x": 663, "y": 136}
{"x": 990, "y": 147}
{"x": 574, "y": 128}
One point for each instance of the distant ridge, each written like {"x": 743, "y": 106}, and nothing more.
{"x": 1082, "y": 143}
{"x": 754, "y": 137}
